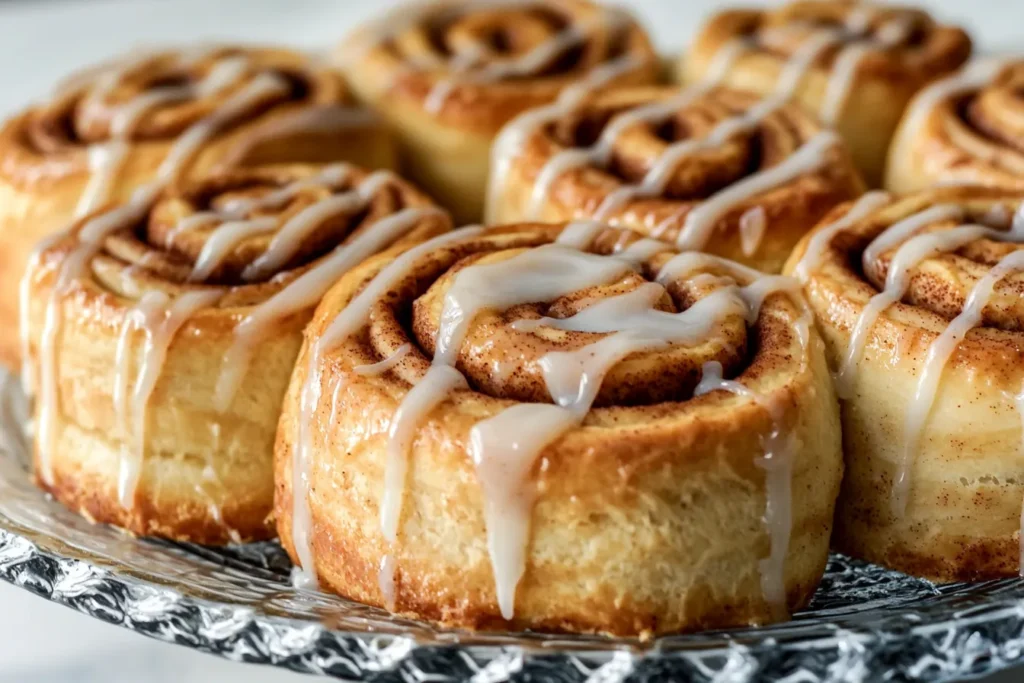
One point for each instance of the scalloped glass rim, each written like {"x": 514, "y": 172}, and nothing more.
{"x": 865, "y": 623}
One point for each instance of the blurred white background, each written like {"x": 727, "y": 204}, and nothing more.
{"x": 43, "y": 40}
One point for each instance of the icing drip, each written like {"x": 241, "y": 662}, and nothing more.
{"x": 381, "y": 367}
{"x": 24, "y": 297}
{"x": 343, "y": 326}
{"x": 823, "y": 237}
{"x": 752, "y": 226}
{"x": 778, "y": 468}
{"x": 223, "y": 241}
{"x": 939, "y": 354}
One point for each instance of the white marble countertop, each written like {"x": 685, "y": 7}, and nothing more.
{"x": 42, "y": 41}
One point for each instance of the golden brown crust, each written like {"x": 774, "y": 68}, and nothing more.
{"x": 205, "y": 473}
{"x": 906, "y": 50}
{"x": 647, "y": 518}
{"x": 962, "y": 516}
{"x": 45, "y": 150}
{"x": 407, "y": 67}
{"x": 789, "y": 208}
{"x": 974, "y": 135}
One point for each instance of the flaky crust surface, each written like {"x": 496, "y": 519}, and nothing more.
{"x": 205, "y": 470}
{"x": 963, "y": 507}
{"x": 648, "y": 518}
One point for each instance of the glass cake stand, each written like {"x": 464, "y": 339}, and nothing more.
{"x": 866, "y": 623}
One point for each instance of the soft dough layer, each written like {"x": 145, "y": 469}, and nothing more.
{"x": 932, "y": 409}
{"x": 646, "y": 518}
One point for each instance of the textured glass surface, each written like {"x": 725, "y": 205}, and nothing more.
{"x": 865, "y": 624}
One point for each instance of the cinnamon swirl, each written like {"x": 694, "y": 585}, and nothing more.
{"x": 679, "y": 466}
{"x": 856, "y": 65}
{"x": 155, "y": 116}
{"x": 707, "y": 168}
{"x": 162, "y": 334}
{"x": 919, "y": 301}
{"x": 448, "y": 75}
{"x": 967, "y": 129}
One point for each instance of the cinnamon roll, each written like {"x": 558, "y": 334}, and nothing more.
{"x": 966, "y": 129}
{"x": 856, "y": 65}
{"x": 449, "y": 74}
{"x": 919, "y": 302}
{"x": 708, "y": 168}
{"x": 160, "y": 115}
{"x": 161, "y": 335}
{"x": 678, "y": 466}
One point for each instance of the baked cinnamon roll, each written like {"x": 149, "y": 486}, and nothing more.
{"x": 856, "y": 65}
{"x": 448, "y": 75}
{"x": 157, "y": 116}
{"x": 965, "y": 129}
{"x": 162, "y": 333}
{"x": 708, "y": 168}
{"x": 919, "y": 301}
{"x": 561, "y": 427}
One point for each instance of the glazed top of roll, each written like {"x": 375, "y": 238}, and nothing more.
{"x": 967, "y": 128}
{"x": 153, "y": 98}
{"x": 907, "y": 45}
{"x": 477, "y": 64}
{"x": 920, "y": 286}
{"x": 579, "y": 330}
{"x": 686, "y": 167}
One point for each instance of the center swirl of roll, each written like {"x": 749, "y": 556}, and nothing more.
{"x": 543, "y": 322}
{"x": 530, "y": 39}
{"x": 158, "y": 96}
{"x": 251, "y": 227}
{"x": 996, "y": 114}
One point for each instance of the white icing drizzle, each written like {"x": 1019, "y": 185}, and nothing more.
{"x": 820, "y": 241}
{"x": 579, "y": 234}
{"x": 173, "y": 313}
{"x": 223, "y": 240}
{"x": 700, "y": 221}
{"x": 343, "y": 326}
{"x": 24, "y": 300}
{"x": 908, "y": 256}
{"x": 306, "y": 290}
{"x": 383, "y": 366}
{"x": 939, "y": 353}
{"x": 106, "y": 158}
